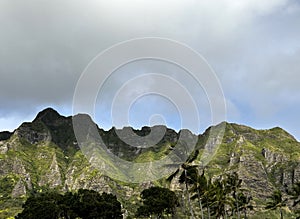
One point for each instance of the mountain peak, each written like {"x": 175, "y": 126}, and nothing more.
{"x": 48, "y": 114}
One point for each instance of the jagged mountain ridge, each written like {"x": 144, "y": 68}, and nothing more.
{"x": 50, "y": 126}
{"x": 44, "y": 154}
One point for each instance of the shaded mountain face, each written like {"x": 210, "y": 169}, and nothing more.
{"x": 5, "y": 135}
{"x": 50, "y": 126}
{"x": 44, "y": 154}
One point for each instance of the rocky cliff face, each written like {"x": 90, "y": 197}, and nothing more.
{"x": 44, "y": 155}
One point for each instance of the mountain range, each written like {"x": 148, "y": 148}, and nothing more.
{"x": 44, "y": 154}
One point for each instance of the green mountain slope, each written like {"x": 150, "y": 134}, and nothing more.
{"x": 44, "y": 154}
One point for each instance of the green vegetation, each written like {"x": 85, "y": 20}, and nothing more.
{"x": 276, "y": 202}
{"x": 157, "y": 202}
{"x": 85, "y": 204}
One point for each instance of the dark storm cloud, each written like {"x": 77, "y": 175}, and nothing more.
{"x": 253, "y": 46}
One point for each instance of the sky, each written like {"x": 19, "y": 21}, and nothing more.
{"x": 252, "y": 46}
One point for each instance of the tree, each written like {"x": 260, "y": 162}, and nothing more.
{"x": 220, "y": 199}
{"x": 188, "y": 176}
{"x": 45, "y": 205}
{"x": 276, "y": 202}
{"x": 157, "y": 201}
{"x": 295, "y": 193}
{"x": 244, "y": 203}
{"x": 199, "y": 189}
{"x": 89, "y": 204}
{"x": 110, "y": 206}
{"x": 86, "y": 204}
{"x": 233, "y": 184}
{"x": 69, "y": 206}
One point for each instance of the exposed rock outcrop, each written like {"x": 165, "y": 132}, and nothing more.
{"x": 53, "y": 176}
